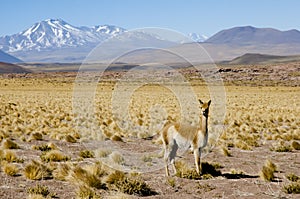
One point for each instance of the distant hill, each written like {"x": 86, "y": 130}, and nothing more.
{"x": 4, "y": 57}
{"x": 251, "y": 35}
{"x": 253, "y": 58}
{"x": 12, "y": 68}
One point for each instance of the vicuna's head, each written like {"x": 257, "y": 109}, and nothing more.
{"x": 204, "y": 108}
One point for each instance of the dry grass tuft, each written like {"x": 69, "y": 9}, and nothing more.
{"x": 36, "y": 136}
{"x": 70, "y": 138}
{"x": 37, "y": 171}
{"x": 86, "y": 154}
{"x": 41, "y": 190}
{"x": 54, "y": 156}
{"x": 226, "y": 152}
{"x": 271, "y": 165}
{"x": 85, "y": 192}
{"x": 102, "y": 153}
{"x": 62, "y": 171}
{"x": 9, "y": 144}
{"x": 296, "y": 145}
{"x": 116, "y": 157}
{"x": 183, "y": 171}
{"x": 208, "y": 170}
{"x": 45, "y": 147}
{"x": 84, "y": 177}
{"x": 129, "y": 185}
{"x": 292, "y": 188}
{"x": 10, "y": 169}
{"x": 97, "y": 169}
{"x": 116, "y": 138}
{"x": 292, "y": 177}
{"x": 267, "y": 172}
{"x": 171, "y": 181}
{"x": 10, "y": 156}
{"x": 282, "y": 148}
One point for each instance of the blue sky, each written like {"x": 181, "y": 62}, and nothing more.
{"x": 204, "y": 17}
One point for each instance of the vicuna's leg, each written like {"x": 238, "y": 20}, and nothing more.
{"x": 166, "y": 158}
{"x": 173, "y": 152}
{"x": 197, "y": 154}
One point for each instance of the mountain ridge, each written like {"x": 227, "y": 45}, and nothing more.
{"x": 251, "y": 35}
{"x": 56, "y": 33}
{"x": 54, "y": 40}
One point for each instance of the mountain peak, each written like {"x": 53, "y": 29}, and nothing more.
{"x": 246, "y": 35}
{"x": 197, "y": 37}
{"x": 56, "y": 33}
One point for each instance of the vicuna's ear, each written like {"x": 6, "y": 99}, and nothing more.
{"x": 209, "y": 102}
{"x": 201, "y": 102}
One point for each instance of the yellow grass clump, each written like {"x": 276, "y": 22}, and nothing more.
{"x": 84, "y": 177}
{"x": 10, "y": 169}
{"x": 267, "y": 172}
{"x": 37, "y": 171}
{"x": 54, "y": 156}
{"x": 9, "y": 144}
{"x": 40, "y": 191}
{"x": 62, "y": 171}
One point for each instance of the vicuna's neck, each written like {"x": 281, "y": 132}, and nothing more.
{"x": 203, "y": 124}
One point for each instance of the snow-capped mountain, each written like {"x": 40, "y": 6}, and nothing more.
{"x": 56, "y": 33}
{"x": 54, "y": 40}
{"x": 197, "y": 37}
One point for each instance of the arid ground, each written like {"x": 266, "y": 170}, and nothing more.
{"x": 48, "y": 150}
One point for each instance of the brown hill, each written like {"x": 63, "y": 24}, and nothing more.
{"x": 255, "y": 58}
{"x": 12, "y": 68}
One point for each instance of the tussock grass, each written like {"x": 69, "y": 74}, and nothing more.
{"x": 226, "y": 152}
{"x": 54, "y": 156}
{"x": 133, "y": 185}
{"x": 281, "y": 148}
{"x": 292, "y": 177}
{"x": 171, "y": 181}
{"x": 87, "y": 154}
{"x": 242, "y": 145}
{"x": 208, "y": 170}
{"x": 70, "y": 138}
{"x": 102, "y": 153}
{"x": 84, "y": 177}
{"x": 62, "y": 171}
{"x": 10, "y": 169}
{"x": 116, "y": 157}
{"x": 267, "y": 172}
{"x": 10, "y": 156}
{"x": 184, "y": 171}
{"x": 296, "y": 145}
{"x": 9, "y": 144}
{"x": 292, "y": 188}
{"x": 116, "y": 138}
{"x": 97, "y": 169}
{"x": 36, "y": 136}
{"x": 37, "y": 171}
{"x": 85, "y": 192}
{"x": 41, "y": 190}
{"x": 45, "y": 147}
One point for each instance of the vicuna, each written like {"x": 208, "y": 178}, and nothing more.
{"x": 175, "y": 135}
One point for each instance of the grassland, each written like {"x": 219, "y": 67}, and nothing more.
{"x": 257, "y": 155}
